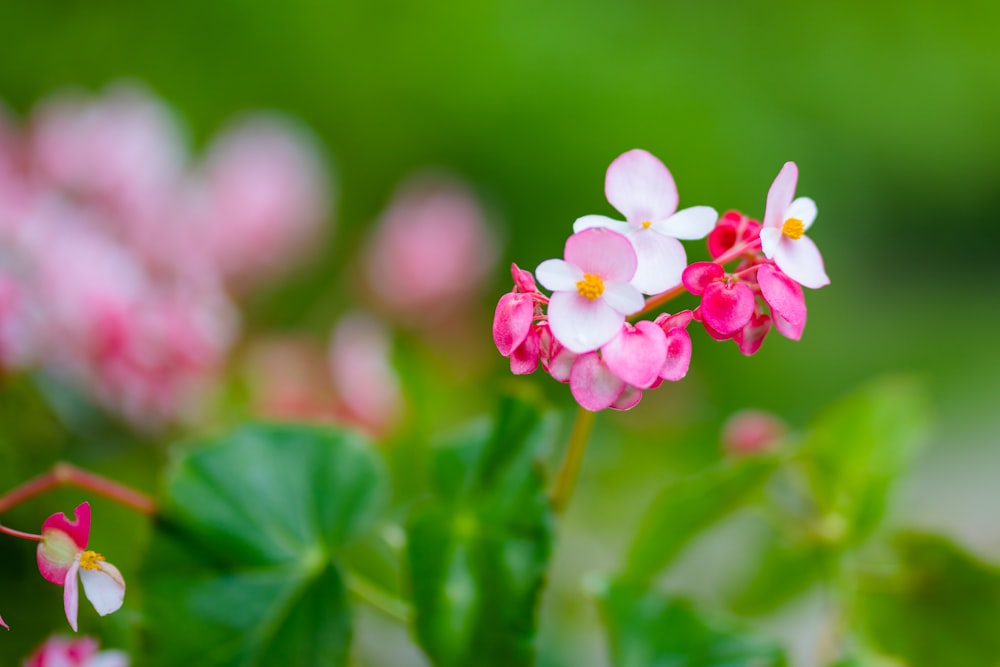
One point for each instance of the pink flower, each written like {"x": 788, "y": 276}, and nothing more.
{"x": 642, "y": 189}
{"x": 783, "y": 238}
{"x": 63, "y": 553}
{"x": 81, "y": 652}
{"x": 786, "y": 300}
{"x": 360, "y": 363}
{"x": 592, "y": 292}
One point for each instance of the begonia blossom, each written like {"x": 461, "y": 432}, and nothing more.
{"x": 79, "y": 652}
{"x": 782, "y": 237}
{"x": 592, "y": 290}
{"x": 641, "y": 188}
{"x": 63, "y": 554}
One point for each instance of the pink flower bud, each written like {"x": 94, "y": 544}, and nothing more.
{"x": 752, "y": 432}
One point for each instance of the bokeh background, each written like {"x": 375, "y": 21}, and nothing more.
{"x": 890, "y": 110}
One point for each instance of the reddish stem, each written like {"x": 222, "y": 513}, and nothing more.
{"x": 16, "y": 533}
{"x": 65, "y": 474}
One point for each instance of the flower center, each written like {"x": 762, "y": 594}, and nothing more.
{"x": 793, "y": 228}
{"x": 591, "y": 286}
{"x": 646, "y": 224}
{"x": 91, "y": 560}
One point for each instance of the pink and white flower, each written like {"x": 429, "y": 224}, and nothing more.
{"x": 63, "y": 553}
{"x": 783, "y": 239}
{"x": 80, "y": 652}
{"x": 642, "y": 189}
{"x": 592, "y": 290}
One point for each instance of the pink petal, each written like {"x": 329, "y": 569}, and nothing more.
{"x": 779, "y": 197}
{"x": 661, "y": 261}
{"x": 640, "y": 187}
{"x": 558, "y": 275}
{"x": 801, "y": 261}
{"x": 591, "y": 221}
{"x": 105, "y": 588}
{"x": 592, "y": 383}
{"x": 628, "y": 400}
{"x": 727, "y": 308}
{"x": 782, "y": 294}
{"x": 71, "y": 595}
{"x": 580, "y": 324}
{"x": 680, "y": 320}
{"x": 601, "y": 251}
{"x": 699, "y": 275}
{"x": 751, "y": 337}
{"x": 678, "y": 357}
{"x": 560, "y": 364}
{"x": 804, "y": 209}
{"x": 512, "y": 321}
{"x": 523, "y": 280}
{"x": 78, "y": 530}
{"x": 623, "y": 297}
{"x": 787, "y": 329}
{"x": 524, "y": 358}
{"x": 637, "y": 353}
{"x": 690, "y": 223}
{"x": 699, "y": 316}
{"x": 4, "y": 624}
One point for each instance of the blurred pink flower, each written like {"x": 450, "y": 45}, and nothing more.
{"x": 431, "y": 250}
{"x": 361, "y": 367}
{"x": 82, "y": 652}
{"x": 752, "y": 432}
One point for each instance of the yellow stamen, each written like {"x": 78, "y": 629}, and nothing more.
{"x": 646, "y": 224}
{"x": 793, "y": 228}
{"x": 591, "y": 286}
{"x": 91, "y": 560}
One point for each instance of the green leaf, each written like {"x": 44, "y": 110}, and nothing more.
{"x": 649, "y": 629}
{"x": 244, "y": 567}
{"x": 785, "y": 568}
{"x": 940, "y": 606}
{"x": 684, "y": 508}
{"x": 477, "y": 551}
{"x": 856, "y": 448}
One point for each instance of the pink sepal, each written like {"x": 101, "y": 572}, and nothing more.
{"x": 751, "y": 337}
{"x": 523, "y": 280}
{"x": 629, "y": 399}
{"x": 733, "y": 229}
{"x": 786, "y": 299}
{"x": 512, "y": 321}
{"x": 62, "y": 540}
{"x": 560, "y": 362}
{"x": 697, "y": 277}
{"x": 4, "y": 624}
{"x": 78, "y": 530}
{"x": 678, "y": 355}
{"x": 727, "y": 307}
{"x": 592, "y": 383}
{"x": 698, "y": 316}
{"x": 676, "y": 321}
{"x": 524, "y": 358}
{"x": 637, "y": 353}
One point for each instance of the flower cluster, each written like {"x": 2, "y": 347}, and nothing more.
{"x": 613, "y": 271}
{"x": 119, "y": 255}
{"x": 81, "y": 652}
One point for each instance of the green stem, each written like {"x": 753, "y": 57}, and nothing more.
{"x": 379, "y": 598}
{"x": 570, "y": 468}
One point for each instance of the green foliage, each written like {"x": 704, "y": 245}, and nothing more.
{"x": 685, "y": 508}
{"x": 478, "y": 549}
{"x": 941, "y": 606}
{"x": 244, "y": 563}
{"x": 855, "y": 449}
{"x": 649, "y": 629}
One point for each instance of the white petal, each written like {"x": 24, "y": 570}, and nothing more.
{"x": 779, "y": 197}
{"x": 105, "y": 588}
{"x": 640, "y": 187}
{"x": 623, "y": 297}
{"x": 769, "y": 238}
{"x": 580, "y": 324}
{"x": 804, "y": 209}
{"x": 661, "y": 261}
{"x": 801, "y": 261}
{"x": 689, "y": 223}
{"x": 558, "y": 275}
{"x": 71, "y": 594}
{"x": 589, "y": 221}
{"x": 112, "y": 658}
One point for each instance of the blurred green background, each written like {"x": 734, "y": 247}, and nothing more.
{"x": 890, "y": 110}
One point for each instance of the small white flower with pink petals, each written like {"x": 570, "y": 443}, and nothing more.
{"x": 642, "y": 189}
{"x": 783, "y": 238}
{"x": 63, "y": 553}
{"x": 592, "y": 290}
